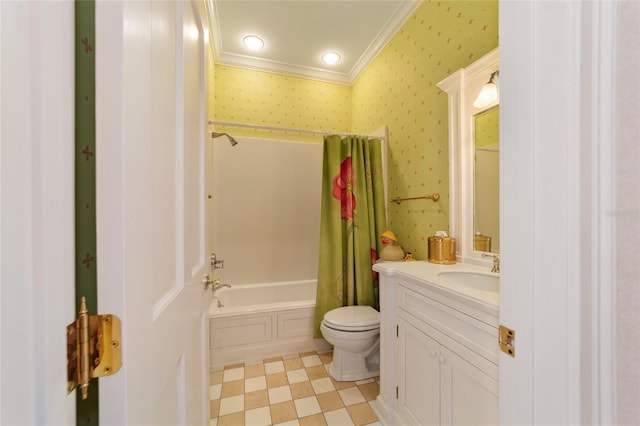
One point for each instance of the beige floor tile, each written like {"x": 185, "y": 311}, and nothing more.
{"x": 277, "y": 379}
{"x": 235, "y": 419}
{"x": 215, "y": 408}
{"x": 232, "y": 388}
{"x": 307, "y": 406}
{"x": 317, "y": 372}
{"x": 301, "y": 390}
{"x": 230, "y": 405}
{"x": 283, "y": 412}
{"x": 370, "y": 391}
{"x": 316, "y": 398}
{"x": 255, "y": 384}
{"x": 297, "y": 376}
{"x": 293, "y": 364}
{"x": 311, "y": 360}
{"x": 254, "y": 370}
{"x": 215, "y": 377}
{"x": 322, "y": 385}
{"x": 214, "y": 391}
{"x": 339, "y": 417}
{"x": 274, "y": 367}
{"x": 326, "y": 357}
{"x": 351, "y": 396}
{"x": 232, "y": 366}
{"x": 279, "y": 394}
{"x": 362, "y": 414}
{"x": 330, "y": 401}
{"x": 256, "y": 399}
{"x": 233, "y": 374}
{"x": 342, "y": 385}
{"x": 258, "y": 417}
{"x": 293, "y": 422}
{"x": 315, "y": 420}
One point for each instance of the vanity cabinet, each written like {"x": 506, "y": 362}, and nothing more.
{"x": 439, "y": 356}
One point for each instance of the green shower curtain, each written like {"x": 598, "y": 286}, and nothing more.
{"x": 352, "y": 219}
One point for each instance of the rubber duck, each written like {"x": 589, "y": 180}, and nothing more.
{"x": 390, "y": 249}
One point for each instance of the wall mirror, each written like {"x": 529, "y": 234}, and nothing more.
{"x": 474, "y": 157}
{"x": 486, "y": 180}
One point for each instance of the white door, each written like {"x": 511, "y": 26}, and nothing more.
{"x": 36, "y": 217}
{"x": 151, "y": 198}
{"x": 557, "y": 118}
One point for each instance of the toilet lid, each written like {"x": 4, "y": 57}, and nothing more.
{"x": 353, "y": 318}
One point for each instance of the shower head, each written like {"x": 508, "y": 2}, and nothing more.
{"x": 231, "y": 139}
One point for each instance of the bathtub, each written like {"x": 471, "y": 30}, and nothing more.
{"x": 252, "y": 322}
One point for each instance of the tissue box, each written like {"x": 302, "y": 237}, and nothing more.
{"x": 482, "y": 243}
{"x": 442, "y": 250}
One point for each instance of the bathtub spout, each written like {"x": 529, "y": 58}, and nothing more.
{"x": 217, "y": 285}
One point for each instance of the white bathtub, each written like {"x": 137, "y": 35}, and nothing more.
{"x": 251, "y": 322}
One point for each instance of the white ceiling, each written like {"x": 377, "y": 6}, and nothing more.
{"x": 298, "y": 32}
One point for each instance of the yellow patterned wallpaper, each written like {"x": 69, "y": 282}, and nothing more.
{"x": 398, "y": 90}
{"x": 256, "y": 97}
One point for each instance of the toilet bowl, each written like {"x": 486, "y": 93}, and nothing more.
{"x": 354, "y": 332}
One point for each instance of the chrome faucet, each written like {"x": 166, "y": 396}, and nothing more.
{"x": 496, "y": 262}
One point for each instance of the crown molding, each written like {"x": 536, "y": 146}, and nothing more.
{"x": 396, "y": 21}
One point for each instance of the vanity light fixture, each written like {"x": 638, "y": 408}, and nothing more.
{"x": 331, "y": 58}
{"x": 489, "y": 93}
{"x": 252, "y": 42}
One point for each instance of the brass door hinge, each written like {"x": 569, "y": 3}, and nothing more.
{"x": 507, "y": 341}
{"x": 93, "y": 348}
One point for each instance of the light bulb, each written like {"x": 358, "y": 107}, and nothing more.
{"x": 331, "y": 58}
{"x": 487, "y": 96}
{"x": 253, "y": 42}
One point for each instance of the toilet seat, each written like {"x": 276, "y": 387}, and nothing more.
{"x": 353, "y": 318}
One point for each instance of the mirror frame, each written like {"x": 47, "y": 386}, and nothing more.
{"x": 462, "y": 88}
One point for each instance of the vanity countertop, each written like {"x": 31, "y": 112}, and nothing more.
{"x": 426, "y": 273}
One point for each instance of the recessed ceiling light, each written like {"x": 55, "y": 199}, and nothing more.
{"x": 253, "y": 42}
{"x": 331, "y": 58}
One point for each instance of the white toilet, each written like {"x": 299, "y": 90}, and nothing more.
{"x": 354, "y": 332}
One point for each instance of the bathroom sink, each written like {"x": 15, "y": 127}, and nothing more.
{"x": 476, "y": 280}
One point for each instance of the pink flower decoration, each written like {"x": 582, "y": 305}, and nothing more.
{"x": 342, "y": 189}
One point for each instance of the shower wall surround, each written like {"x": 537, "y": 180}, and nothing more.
{"x": 269, "y": 216}
{"x": 398, "y": 90}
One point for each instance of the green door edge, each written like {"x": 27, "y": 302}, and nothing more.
{"x": 85, "y": 183}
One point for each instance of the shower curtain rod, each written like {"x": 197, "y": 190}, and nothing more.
{"x": 283, "y": 129}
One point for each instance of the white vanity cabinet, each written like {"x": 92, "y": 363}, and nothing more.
{"x": 439, "y": 351}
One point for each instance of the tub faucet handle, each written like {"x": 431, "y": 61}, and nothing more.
{"x": 215, "y": 263}
{"x": 207, "y": 281}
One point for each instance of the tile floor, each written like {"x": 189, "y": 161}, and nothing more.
{"x": 289, "y": 390}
